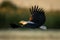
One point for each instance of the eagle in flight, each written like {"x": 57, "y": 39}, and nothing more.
{"x": 36, "y": 20}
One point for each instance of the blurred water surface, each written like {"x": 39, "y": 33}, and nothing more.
{"x": 29, "y": 35}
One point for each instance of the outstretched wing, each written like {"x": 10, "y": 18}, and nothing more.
{"x": 13, "y": 25}
{"x": 38, "y": 15}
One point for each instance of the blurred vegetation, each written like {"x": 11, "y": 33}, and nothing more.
{"x": 10, "y": 13}
{"x": 53, "y": 19}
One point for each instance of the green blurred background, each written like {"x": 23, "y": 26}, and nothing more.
{"x": 10, "y": 13}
